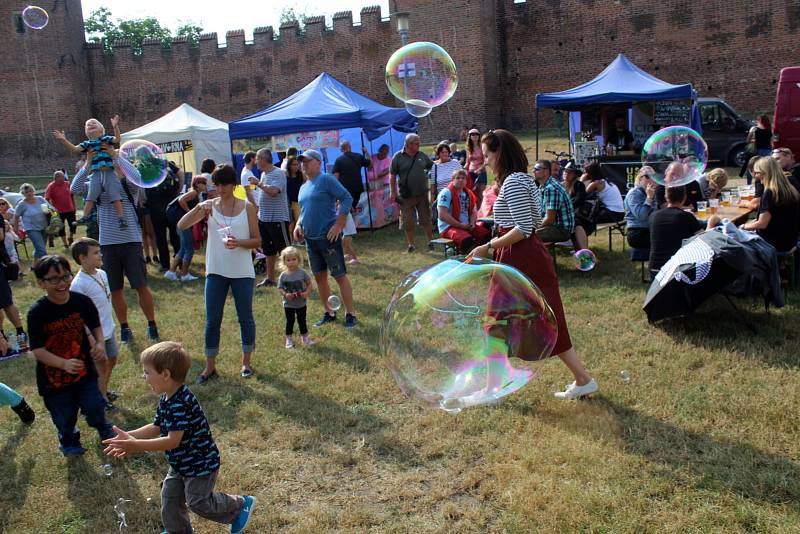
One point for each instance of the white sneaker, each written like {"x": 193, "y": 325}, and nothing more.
{"x": 289, "y": 343}
{"x": 575, "y": 391}
{"x": 171, "y": 275}
{"x": 307, "y": 341}
{"x": 188, "y": 277}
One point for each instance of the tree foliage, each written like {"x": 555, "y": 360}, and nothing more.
{"x": 100, "y": 28}
{"x": 290, "y": 14}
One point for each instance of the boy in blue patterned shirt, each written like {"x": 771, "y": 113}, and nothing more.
{"x": 180, "y": 428}
{"x": 102, "y": 166}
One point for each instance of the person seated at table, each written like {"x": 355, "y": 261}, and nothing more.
{"x": 713, "y": 182}
{"x": 758, "y": 186}
{"x": 671, "y": 225}
{"x": 458, "y": 214}
{"x": 559, "y": 218}
{"x": 674, "y": 172}
{"x": 639, "y": 206}
{"x": 779, "y": 212}
{"x": 577, "y": 195}
{"x": 620, "y": 136}
{"x": 612, "y": 209}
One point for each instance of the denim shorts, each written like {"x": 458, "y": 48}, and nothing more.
{"x": 322, "y": 255}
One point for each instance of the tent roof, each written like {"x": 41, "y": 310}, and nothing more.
{"x": 182, "y": 119}
{"x": 325, "y": 103}
{"x": 621, "y": 81}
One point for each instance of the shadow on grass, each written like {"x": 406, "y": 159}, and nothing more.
{"x": 14, "y": 479}
{"x": 718, "y": 465}
{"x": 716, "y": 325}
{"x": 335, "y": 422}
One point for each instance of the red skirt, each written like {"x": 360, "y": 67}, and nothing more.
{"x": 530, "y": 257}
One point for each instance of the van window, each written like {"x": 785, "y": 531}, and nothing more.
{"x": 716, "y": 117}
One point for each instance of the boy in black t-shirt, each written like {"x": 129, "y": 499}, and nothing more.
{"x": 181, "y": 430}
{"x": 65, "y": 370}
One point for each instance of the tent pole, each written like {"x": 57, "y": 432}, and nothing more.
{"x": 537, "y": 133}
{"x": 366, "y": 184}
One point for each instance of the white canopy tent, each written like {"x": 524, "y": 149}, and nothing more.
{"x": 187, "y": 136}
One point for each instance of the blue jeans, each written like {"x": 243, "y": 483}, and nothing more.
{"x": 9, "y": 397}
{"x": 187, "y": 245}
{"x": 38, "y": 239}
{"x": 216, "y": 293}
{"x": 64, "y": 404}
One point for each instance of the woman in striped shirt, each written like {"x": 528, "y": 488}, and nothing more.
{"x": 517, "y": 214}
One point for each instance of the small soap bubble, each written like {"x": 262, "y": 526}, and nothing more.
{"x": 677, "y": 154}
{"x": 585, "y": 260}
{"x": 624, "y": 376}
{"x": 418, "y": 108}
{"x": 35, "y": 17}
{"x": 108, "y": 470}
{"x": 119, "y": 509}
{"x": 334, "y": 302}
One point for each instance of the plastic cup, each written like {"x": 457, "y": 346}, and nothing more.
{"x": 726, "y": 198}
{"x": 713, "y": 205}
{"x": 701, "y": 209}
{"x": 225, "y": 234}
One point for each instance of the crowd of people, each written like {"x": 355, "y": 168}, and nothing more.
{"x": 72, "y": 328}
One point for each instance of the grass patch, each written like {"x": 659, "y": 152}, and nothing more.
{"x": 704, "y": 437}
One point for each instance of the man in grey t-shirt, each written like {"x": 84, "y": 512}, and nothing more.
{"x": 408, "y": 180}
{"x": 273, "y": 212}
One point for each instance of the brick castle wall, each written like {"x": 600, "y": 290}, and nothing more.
{"x": 506, "y": 52}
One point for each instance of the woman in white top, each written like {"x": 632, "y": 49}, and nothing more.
{"x": 232, "y": 234}
{"x": 607, "y": 194}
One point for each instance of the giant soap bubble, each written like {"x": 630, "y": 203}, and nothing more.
{"x": 452, "y": 331}
{"x": 423, "y": 72}
{"x": 35, "y": 17}
{"x": 677, "y": 154}
{"x": 418, "y": 108}
{"x": 148, "y": 160}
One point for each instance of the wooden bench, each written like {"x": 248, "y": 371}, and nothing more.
{"x": 444, "y": 243}
{"x": 641, "y": 255}
{"x": 618, "y": 226}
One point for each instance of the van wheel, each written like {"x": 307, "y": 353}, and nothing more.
{"x": 737, "y": 156}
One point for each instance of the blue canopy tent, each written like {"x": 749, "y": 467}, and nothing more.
{"x": 327, "y": 104}
{"x": 622, "y": 82}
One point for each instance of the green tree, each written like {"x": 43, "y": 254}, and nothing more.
{"x": 191, "y": 31}
{"x": 290, "y": 14}
{"x": 100, "y": 28}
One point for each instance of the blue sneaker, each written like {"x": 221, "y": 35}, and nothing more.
{"x": 72, "y": 451}
{"x": 125, "y": 335}
{"x": 244, "y": 515}
{"x": 152, "y": 334}
{"x": 327, "y": 318}
{"x": 350, "y": 321}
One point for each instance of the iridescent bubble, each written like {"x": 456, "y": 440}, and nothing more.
{"x": 418, "y": 108}
{"x": 422, "y": 71}
{"x": 624, "y": 376}
{"x": 108, "y": 470}
{"x": 148, "y": 160}
{"x": 35, "y": 17}
{"x": 475, "y": 318}
{"x": 334, "y": 302}
{"x": 677, "y": 154}
{"x": 585, "y": 259}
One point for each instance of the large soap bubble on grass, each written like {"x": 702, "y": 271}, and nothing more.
{"x": 422, "y": 71}
{"x": 677, "y": 154}
{"x": 148, "y": 160}
{"x": 452, "y": 333}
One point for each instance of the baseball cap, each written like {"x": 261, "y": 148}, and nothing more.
{"x": 474, "y": 131}
{"x": 310, "y": 154}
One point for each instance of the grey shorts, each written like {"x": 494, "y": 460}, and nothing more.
{"x": 124, "y": 260}
{"x": 112, "y": 348}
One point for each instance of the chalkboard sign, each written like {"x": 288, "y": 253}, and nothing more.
{"x": 668, "y": 112}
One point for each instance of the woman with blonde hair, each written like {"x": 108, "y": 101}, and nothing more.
{"x": 779, "y": 210}
{"x": 713, "y": 182}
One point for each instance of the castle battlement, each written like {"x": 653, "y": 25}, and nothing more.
{"x": 264, "y": 37}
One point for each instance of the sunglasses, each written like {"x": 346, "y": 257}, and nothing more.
{"x": 538, "y": 168}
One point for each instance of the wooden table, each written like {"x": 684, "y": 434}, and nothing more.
{"x": 737, "y": 215}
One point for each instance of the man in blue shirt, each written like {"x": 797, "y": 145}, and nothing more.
{"x": 321, "y": 225}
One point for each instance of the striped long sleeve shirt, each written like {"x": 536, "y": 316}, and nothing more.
{"x": 110, "y": 232}
{"x": 518, "y": 204}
